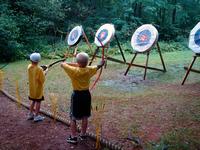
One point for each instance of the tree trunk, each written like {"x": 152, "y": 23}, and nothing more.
{"x": 174, "y": 13}
{"x": 163, "y": 15}
{"x": 140, "y": 10}
{"x": 160, "y": 13}
{"x": 174, "y": 16}
{"x": 135, "y": 9}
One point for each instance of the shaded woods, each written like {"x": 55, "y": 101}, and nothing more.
{"x": 27, "y": 25}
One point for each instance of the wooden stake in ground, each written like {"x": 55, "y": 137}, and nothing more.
{"x": 54, "y": 105}
{"x": 19, "y": 100}
{"x": 98, "y": 110}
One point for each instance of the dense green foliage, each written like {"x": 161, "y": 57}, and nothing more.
{"x": 27, "y": 25}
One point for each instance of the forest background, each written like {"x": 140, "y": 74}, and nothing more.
{"x": 42, "y": 25}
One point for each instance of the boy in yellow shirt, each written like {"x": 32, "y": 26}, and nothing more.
{"x": 80, "y": 108}
{"x": 36, "y": 78}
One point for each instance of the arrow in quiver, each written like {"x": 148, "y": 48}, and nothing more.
{"x": 194, "y": 45}
{"x": 142, "y": 41}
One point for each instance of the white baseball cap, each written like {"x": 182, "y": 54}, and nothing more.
{"x": 35, "y": 57}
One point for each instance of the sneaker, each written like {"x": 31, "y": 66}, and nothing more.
{"x": 82, "y": 137}
{"x": 72, "y": 140}
{"x": 30, "y": 116}
{"x": 38, "y": 118}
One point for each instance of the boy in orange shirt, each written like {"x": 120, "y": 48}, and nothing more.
{"x": 36, "y": 78}
{"x": 80, "y": 109}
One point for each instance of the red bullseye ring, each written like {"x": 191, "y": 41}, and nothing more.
{"x": 143, "y": 38}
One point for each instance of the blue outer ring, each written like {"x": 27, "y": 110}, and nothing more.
{"x": 197, "y": 37}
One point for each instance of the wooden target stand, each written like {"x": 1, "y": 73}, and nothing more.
{"x": 147, "y": 53}
{"x": 190, "y": 68}
{"x": 194, "y": 45}
{"x": 106, "y": 47}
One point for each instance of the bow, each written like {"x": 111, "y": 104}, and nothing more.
{"x": 45, "y": 67}
{"x": 101, "y": 70}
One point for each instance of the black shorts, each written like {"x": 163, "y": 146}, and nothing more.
{"x": 36, "y": 100}
{"x": 80, "y": 105}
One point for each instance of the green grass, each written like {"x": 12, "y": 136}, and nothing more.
{"x": 131, "y": 104}
{"x": 174, "y": 61}
{"x": 112, "y": 76}
{"x": 179, "y": 139}
{"x": 112, "y": 79}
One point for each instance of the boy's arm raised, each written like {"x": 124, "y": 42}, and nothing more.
{"x": 71, "y": 64}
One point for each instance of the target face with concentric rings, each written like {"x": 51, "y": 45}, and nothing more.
{"x": 75, "y": 36}
{"x": 194, "y": 39}
{"x": 144, "y": 38}
{"x": 104, "y": 35}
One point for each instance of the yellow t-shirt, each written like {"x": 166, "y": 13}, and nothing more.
{"x": 80, "y": 77}
{"x": 36, "y": 78}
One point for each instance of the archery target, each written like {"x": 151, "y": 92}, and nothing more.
{"x": 194, "y": 39}
{"x": 144, "y": 38}
{"x": 104, "y": 34}
{"x": 75, "y": 35}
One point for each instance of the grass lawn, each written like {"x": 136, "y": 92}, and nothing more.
{"x": 158, "y": 111}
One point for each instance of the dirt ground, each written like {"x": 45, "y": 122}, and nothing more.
{"x": 16, "y": 133}
{"x": 158, "y": 111}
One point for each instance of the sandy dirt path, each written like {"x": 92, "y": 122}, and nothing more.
{"x": 16, "y": 133}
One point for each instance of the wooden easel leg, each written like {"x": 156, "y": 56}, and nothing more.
{"x": 75, "y": 53}
{"x": 130, "y": 64}
{"x": 94, "y": 55}
{"x": 146, "y": 65}
{"x": 106, "y": 56}
{"x": 189, "y": 69}
{"x": 163, "y": 64}
{"x": 120, "y": 48}
{"x": 105, "y": 66}
{"x": 87, "y": 41}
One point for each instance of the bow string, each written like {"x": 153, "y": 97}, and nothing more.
{"x": 101, "y": 69}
